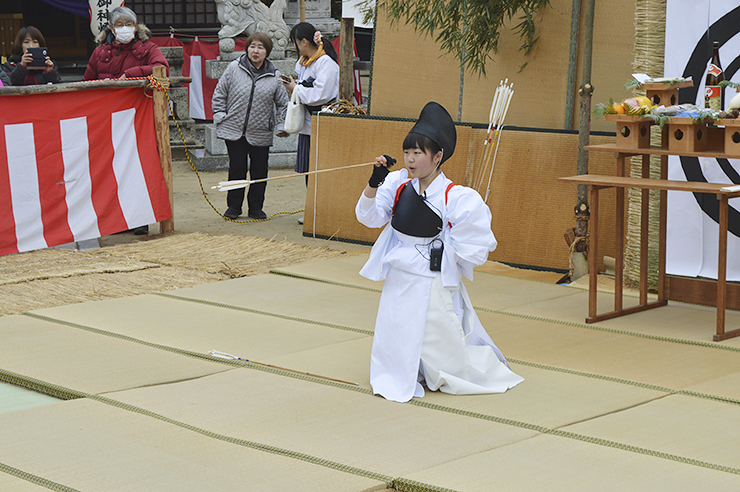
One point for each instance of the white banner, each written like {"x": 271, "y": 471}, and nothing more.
{"x": 691, "y": 28}
{"x": 99, "y": 13}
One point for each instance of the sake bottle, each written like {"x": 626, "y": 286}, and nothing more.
{"x": 713, "y": 95}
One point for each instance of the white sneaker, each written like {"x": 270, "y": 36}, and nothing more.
{"x": 300, "y": 220}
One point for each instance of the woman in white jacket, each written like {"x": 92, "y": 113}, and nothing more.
{"x": 426, "y": 330}
{"x": 318, "y": 81}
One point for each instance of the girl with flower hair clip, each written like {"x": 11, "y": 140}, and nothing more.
{"x": 317, "y": 84}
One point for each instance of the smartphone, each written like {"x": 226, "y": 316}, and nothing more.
{"x": 285, "y": 78}
{"x": 39, "y": 58}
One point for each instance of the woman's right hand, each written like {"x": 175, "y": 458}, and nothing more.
{"x": 290, "y": 84}
{"x": 26, "y": 59}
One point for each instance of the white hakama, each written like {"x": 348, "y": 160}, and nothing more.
{"x": 426, "y": 329}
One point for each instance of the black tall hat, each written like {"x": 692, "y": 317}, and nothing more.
{"x": 436, "y": 123}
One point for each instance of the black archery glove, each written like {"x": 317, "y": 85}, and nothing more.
{"x": 380, "y": 172}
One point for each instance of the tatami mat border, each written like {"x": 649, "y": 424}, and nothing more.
{"x": 11, "y": 376}
{"x": 49, "y": 388}
{"x": 189, "y": 353}
{"x": 51, "y": 391}
{"x": 34, "y": 479}
{"x": 574, "y": 324}
{"x": 398, "y": 483}
{"x": 263, "y": 313}
{"x": 307, "y": 377}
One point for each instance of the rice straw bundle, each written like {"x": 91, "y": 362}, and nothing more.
{"x": 650, "y": 19}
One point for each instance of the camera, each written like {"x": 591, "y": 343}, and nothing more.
{"x": 39, "y": 58}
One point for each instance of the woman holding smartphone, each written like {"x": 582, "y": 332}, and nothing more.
{"x": 21, "y": 67}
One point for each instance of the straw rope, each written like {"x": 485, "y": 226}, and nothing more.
{"x": 650, "y": 19}
{"x": 200, "y": 182}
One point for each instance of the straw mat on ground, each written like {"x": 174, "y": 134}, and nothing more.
{"x": 234, "y": 256}
{"x": 59, "y": 263}
{"x": 53, "y": 277}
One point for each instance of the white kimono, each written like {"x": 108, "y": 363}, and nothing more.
{"x": 426, "y": 329}
{"x": 325, "y": 73}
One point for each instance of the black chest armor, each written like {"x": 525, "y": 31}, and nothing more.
{"x": 413, "y": 217}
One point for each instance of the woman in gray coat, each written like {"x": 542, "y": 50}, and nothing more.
{"x": 244, "y": 105}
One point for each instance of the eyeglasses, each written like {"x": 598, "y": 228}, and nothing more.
{"x": 122, "y": 24}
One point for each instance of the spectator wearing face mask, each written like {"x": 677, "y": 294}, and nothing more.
{"x": 125, "y": 50}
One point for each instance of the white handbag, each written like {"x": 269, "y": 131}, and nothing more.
{"x": 296, "y": 114}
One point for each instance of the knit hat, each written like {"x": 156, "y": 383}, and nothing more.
{"x": 436, "y": 123}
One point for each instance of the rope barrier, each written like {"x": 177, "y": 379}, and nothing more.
{"x": 163, "y": 84}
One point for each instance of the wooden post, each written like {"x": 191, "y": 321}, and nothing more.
{"x": 302, "y": 10}
{"x": 162, "y": 128}
{"x": 347, "y": 59}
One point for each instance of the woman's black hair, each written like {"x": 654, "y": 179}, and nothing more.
{"x": 22, "y": 33}
{"x": 419, "y": 141}
{"x": 305, "y": 30}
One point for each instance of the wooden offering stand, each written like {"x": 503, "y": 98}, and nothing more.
{"x": 681, "y": 136}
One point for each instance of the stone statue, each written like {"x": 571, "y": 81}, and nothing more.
{"x": 250, "y": 16}
{"x": 270, "y": 21}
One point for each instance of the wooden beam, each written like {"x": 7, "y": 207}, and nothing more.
{"x": 347, "y": 58}
{"x": 162, "y": 129}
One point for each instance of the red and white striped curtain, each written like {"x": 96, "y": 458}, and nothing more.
{"x": 77, "y": 166}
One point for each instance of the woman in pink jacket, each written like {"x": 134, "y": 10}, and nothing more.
{"x": 125, "y": 50}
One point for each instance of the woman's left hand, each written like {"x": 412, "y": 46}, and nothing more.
{"x": 283, "y": 134}
{"x": 49, "y": 65}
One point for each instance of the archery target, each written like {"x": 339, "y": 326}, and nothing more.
{"x": 693, "y": 219}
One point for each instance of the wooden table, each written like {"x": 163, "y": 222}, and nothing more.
{"x": 596, "y": 183}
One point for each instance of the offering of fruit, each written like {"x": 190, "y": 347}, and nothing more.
{"x": 637, "y": 105}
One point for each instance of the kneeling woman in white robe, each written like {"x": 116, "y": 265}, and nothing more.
{"x": 426, "y": 329}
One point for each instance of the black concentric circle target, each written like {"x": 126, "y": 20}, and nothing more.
{"x": 722, "y": 31}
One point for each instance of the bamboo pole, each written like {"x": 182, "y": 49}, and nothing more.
{"x": 302, "y": 9}
{"x": 162, "y": 129}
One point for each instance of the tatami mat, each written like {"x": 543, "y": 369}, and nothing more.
{"x": 90, "y": 446}
{"x": 10, "y": 482}
{"x": 323, "y": 421}
{"x": 626, "y": 404}
{"x": 89, "y": 362}
{"x": 549, "y": 463}
{"x": 303, "y": 299}
{"x": 550, "y": 398}
{"x": 694, "y": 428}
{"x": 201, "y": 326}
{"x": 644, "y": 360}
